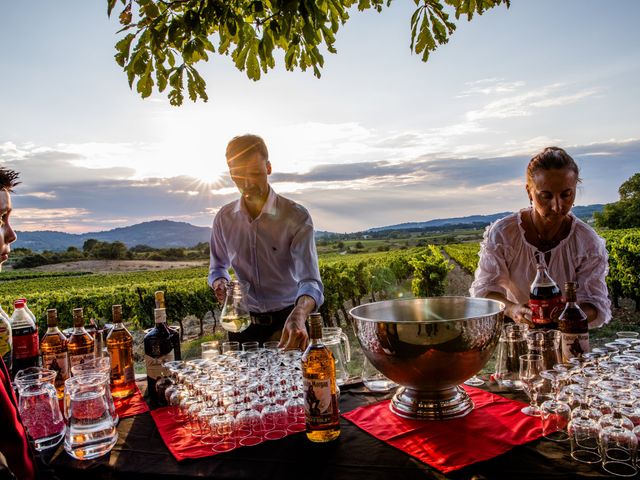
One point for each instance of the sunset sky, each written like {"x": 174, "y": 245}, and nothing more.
{"x": 380, "y": 139}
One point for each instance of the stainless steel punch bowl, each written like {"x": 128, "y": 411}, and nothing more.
{"x": 429, "y": 346}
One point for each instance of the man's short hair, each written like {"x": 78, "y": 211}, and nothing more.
{"x": 242, "y": 146}
{"x": 8, "y": 179}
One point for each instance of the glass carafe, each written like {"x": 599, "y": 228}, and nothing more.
{"x": 39, "y": 408}
{"x": 235, "y": 313}
{"x": 512, "y": 344}
{"x": 91, "y": 429}
{"x": 338, "y": 342}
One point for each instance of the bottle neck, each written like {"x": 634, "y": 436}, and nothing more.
{"x": 315, "y": 329}
{"x": 79, "y": 330}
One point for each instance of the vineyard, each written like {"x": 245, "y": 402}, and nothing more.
{"x": 464, "y": 254}
{"x": 346, "y": 278}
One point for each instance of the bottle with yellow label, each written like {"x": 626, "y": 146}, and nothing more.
{"x": 120, "y": 347}
{"x": 321, "y": 392}
{"x": 53, "y": 348}
{"x": 80, "y": 341}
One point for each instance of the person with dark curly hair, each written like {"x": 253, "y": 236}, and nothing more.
{"x": 16, "y": 457}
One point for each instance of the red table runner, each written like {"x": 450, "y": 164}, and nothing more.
{"x": 493, "y": 427}
{"x": 130, "y": 406}
{"x": 180, "y": 440}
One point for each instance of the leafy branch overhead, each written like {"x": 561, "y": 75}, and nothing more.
{"x": 163, "y": 40}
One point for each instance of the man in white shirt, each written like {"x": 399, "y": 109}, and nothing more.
{"x": 268, "y": 241}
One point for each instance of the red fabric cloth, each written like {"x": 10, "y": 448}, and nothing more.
{"x": 493, "y": 427}
{"x": 130, "y": 406}
{"x": 178, "y": 438}
{"x": 13, "y": 438}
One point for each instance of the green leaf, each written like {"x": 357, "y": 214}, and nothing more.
{"x": 110, "y": 5}
{"x": 151, "y": 10}
{"x": 123, "y": 47}
{"x": 145, "y": 85}
{"x": 253, "y": 67}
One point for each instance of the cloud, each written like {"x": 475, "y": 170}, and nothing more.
{"x": 419, "y": 183}
{"x": 524, "y": 104}
{"x": 490, "y": 86}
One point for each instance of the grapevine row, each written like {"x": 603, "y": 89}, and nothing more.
{"x": 354, "y": 279}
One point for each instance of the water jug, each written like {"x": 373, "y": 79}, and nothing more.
{"x": 39, "y": 408}
{"x": 91, "y": 429}
{"x": 338, "y": 342}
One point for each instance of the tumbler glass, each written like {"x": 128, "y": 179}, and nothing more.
{"x": 210, "y": 349}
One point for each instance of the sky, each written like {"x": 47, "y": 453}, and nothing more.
{"x": 381, "y": 138}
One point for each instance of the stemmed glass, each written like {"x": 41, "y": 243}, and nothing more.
{"x": 530, "y": 367}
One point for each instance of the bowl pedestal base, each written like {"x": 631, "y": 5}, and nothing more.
{"x": 436, "y": 405}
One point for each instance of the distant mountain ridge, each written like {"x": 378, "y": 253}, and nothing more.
{"x": 156, "y": 234}
{"x": 167, "y": 233}
{"x": 582, "y": 212}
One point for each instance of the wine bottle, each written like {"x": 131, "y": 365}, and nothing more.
{"x": 574, "y": 325}
{"x": 120, "y": 347}
{"x": 54, "y": 351}
{"x": 545, "y": 299}
{"x": 158, "y": 348}
{"x": 25, "y": 339}
{"x": 322, "y": 414}
{"x": 175, "y": 333}
{"x": 81, "y": 343}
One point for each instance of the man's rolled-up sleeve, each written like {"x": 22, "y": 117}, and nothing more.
{"x": 218, "y": 257}
{"x": 305, "y": 264}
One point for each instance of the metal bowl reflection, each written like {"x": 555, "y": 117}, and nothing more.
{"x": 429, "y": 346}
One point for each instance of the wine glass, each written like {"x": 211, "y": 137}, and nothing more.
{"x": 530, "y": 367}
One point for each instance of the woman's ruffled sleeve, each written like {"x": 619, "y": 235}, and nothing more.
{"x": 591, "y": 274}
{"x": 492, "y": 274}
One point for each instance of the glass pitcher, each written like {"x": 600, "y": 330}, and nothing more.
{"x": 512, "y": 344}
{"x": 39, "y": 408}
{"x": 235, "y": 313}
{"x": 547, "y": 343}
{"x": 91, "y": 428}
{"x": 338, "y": 342}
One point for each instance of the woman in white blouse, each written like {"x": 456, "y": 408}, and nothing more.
{"x": 573, "y": 251}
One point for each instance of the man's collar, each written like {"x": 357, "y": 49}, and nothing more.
{"x": 269, "y": 207}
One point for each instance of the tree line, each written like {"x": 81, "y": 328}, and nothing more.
{"x": 93, "y": 249}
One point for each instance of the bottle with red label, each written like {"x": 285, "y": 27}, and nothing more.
{"x": 545, "y": 299}
{"x": 26, "y": 351}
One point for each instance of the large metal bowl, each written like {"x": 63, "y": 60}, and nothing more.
{"x": 429, "y": 346}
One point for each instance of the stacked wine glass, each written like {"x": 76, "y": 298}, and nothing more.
{"x": 594, "y": 403}
{"x": 239, "y": 397}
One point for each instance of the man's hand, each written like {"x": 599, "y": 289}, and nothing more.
{"x": 220, "y": 289}
{"x": 294, "y": 334}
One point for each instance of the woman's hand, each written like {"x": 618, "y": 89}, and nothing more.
{"x": 519, "y": 313}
